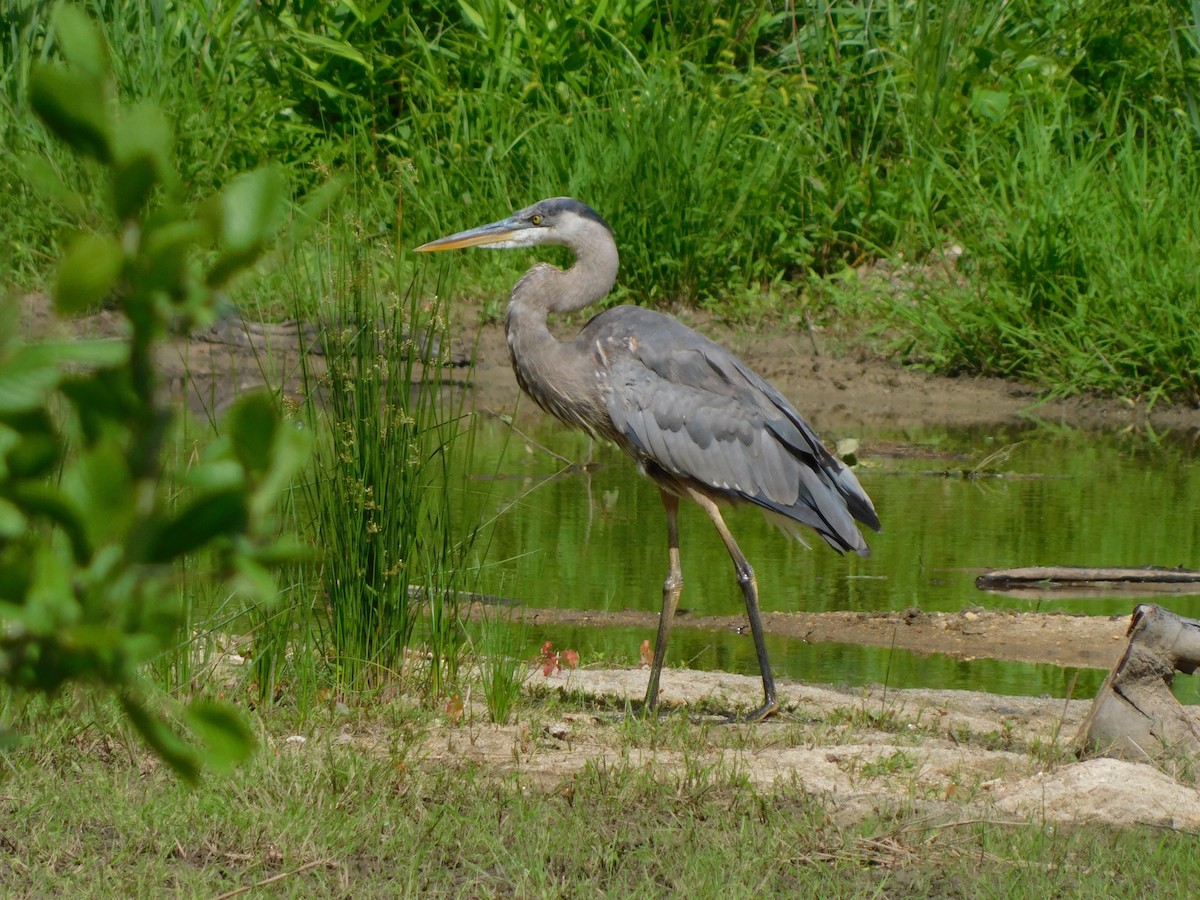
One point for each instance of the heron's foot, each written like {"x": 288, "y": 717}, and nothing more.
{"x": 646, "y": 713}
{"x": 649, "y": 707}
{"x": 634, "y": 712}
{"x": 769, "y": 708}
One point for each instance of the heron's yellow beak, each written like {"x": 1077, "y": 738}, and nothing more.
{"x": 495, "y": 234}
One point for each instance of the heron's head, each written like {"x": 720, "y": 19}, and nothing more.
{"x": 559, "y": 220}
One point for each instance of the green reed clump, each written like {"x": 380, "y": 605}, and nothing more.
{"x": 381, "y": 490}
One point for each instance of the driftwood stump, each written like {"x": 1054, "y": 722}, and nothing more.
{"x": 1135, "y": 716}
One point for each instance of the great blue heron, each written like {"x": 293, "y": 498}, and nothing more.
{"x": 692, "y": 416}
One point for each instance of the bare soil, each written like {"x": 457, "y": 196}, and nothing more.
{"x": 948, "y": 756}
{"x": 965, "y": 754}
{"x": 848, "y": 392}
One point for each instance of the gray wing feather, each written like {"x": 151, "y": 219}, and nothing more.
{"x": 686, "y": 404}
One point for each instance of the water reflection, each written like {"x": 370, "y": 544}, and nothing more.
{"x": 595, "y": 539}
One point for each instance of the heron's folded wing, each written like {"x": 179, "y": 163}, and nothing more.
{"x": 699, "y": 413}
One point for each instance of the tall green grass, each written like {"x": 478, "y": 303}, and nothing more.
{"x": 769, "y": 148}
{"x": 1077, "y": 261}
{"x": 502, "y": 671}
{"x": 374, "y": 605}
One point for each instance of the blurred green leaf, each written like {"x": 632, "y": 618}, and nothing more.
{"x": 46, "y": 181}
{"x": 134, "y": 179}
{"x": 100, "y": 489}
{"x": 163, "y": 262}
{"x": 175, "y": 752}
{"x": 252, "y": 424}
{"x": 254, "y": 581}
{"x": 283, "y": 551}
{"x": 29, "y": 375}
{"x": 289, "y": 453}
{"x": 40, "y": 498}
{"x": 35, "y": 456}
{"x": 50, "y": 603}
{"x": 141, "y": 144}
{"x": 90, "y": 269}
{"x": 225, "y": 736}
{"x": 80, "y": 41}
{"x": 137, "y": 648}
{"x": 205, "y": 518}
{"x": 26, "y": 379}
{"x": 103, "y": 400}
{"x": 36, "y": 445}
{"x": 312, "y": 210}
{"x": 73, "y": 106}
{"x": 81, "y": 353}
{"x": 244, "y": 217}
{"x": 12, "y": 521}
{"x": 217, "y": 474}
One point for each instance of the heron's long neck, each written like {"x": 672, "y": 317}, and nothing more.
{"x": 547, "y": 369}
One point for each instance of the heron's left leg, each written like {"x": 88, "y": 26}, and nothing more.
{"x": 672, "y": 588}
{"x": 749, "y": 586}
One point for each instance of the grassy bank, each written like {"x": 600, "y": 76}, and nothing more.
{"x": 373, "y": 802}
{"x": 745, "y": 163}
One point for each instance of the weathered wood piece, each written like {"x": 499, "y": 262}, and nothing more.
{"x": 1072, "y": 576}
{"x": 1135, "y": 716}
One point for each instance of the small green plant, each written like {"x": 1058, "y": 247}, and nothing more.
{"x": 883, "y": 719}
{"x": 90, "y": 542}
{"x": 899, "y": 761}
{"x": 1003, "y": 738}
{"x": 501, "y": 668}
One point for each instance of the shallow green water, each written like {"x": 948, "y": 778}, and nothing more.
{"x": 596, "y": 539}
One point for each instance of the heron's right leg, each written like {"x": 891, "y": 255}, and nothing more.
{"x": 672, "y": 588}
{"x": 749, "y": 586}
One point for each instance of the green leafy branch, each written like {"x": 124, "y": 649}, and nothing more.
{"x": 90, "y": 546}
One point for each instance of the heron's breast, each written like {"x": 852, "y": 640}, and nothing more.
{"x": 567, "y": 386}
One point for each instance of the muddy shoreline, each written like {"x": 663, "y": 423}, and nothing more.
{"x": 848, "y": 391}
{"x": 1071, "y": 641}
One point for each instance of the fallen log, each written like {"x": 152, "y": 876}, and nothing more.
{"x": 1075, "y": 576}
{"x": 1135, "y": 716}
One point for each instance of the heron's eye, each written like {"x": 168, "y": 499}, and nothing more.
{"x": 536, "y": 218}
